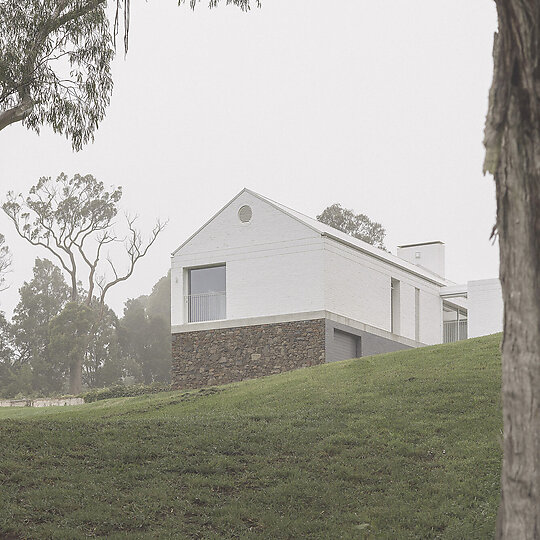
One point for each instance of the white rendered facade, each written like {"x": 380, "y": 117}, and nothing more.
{"x": 485, "y": 307}
{"x": 274, "y": 265}
{"x": 283, "y": 266}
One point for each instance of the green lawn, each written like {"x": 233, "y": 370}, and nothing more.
{"x": 404, "y": 445}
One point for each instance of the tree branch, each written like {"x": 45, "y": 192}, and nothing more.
{"x": 16, "y": 114}
{"x": 135, "y": 253}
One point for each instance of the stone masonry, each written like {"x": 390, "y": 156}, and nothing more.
{"x": 219, "y": 356}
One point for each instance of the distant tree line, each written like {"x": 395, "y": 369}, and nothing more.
{"x": 63, "y": 336}
{"x": 37, "y": 346}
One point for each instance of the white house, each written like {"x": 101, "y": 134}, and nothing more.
{"x": 261, "y": 288}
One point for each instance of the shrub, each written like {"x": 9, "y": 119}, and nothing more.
{"x": 120, "y": 390}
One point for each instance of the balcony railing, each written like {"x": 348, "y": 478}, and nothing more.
{"x": 205, "y": 307}
{"x": 454, "y": 331}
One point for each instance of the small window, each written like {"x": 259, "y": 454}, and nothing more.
{"x": 245, "y": 214}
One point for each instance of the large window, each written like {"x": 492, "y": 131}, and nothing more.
{"x": 206, "y": 294}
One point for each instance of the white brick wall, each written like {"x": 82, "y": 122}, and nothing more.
{"x": 276, "y": 265}
{"x": 358, "y": 286}
{"x": 430, "y": 316}
{"x": 486, "y": 308}
{"x": 407, "y": 310}
{"x": 354, "y": 286}
{"x": 429, "y": 255}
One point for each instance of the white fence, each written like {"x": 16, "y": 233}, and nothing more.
{"x": 454, "y": 331}
{"x": 205, "y": 307}
{"x": 41, "y": 402}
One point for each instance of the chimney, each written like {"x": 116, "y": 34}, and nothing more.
{"x": 428, "y": 255}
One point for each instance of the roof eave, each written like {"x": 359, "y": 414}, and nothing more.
{"x": 433, "y": 279}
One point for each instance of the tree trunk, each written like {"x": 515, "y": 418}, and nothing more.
{"x": 513, "y": 155}
{"x": 75, "y": 377}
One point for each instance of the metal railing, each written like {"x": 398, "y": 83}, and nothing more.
{"x": 454, "y": 331}
{"x": 205, "y": 307}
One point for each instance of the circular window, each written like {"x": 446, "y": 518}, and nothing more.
{"x": 245, "y": 213}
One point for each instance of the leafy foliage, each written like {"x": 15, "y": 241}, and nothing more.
{"x": 47, "y": 333}
{"x": 73, "y": 219}
{"x": 357, "y": 225}
{"x": 121, "y": 390}
{"x": 41, "y": 299}
{"x": 5, "y": 262}
{"x": 158, "y": 302}
{"x": 7, "y": 354}
{"x": 63, "y": 216}
{"x": 55, "y": 62}
{"x": 103, "y": 364}
{"x": 70, "y": 333}
{"x": 55, "y": 65}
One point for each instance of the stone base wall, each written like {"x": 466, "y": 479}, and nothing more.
{"x": 219, "y": 356}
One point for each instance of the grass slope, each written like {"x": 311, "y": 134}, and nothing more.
{"x": 404, "y": 445}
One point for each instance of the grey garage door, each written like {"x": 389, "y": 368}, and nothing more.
{"x": 344, "y": 345}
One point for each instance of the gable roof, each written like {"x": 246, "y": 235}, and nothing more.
{"x": 335, "y": 235}
{"x": 207, "y": 222}
{"x": 356, "y": 243}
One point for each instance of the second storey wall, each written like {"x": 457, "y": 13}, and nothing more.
{"x": 272, "y": 280}
{"x": 358, "y": 286}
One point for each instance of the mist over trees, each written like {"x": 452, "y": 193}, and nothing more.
{"x": 76, "y": 221}
{"x": 37, "y": 347}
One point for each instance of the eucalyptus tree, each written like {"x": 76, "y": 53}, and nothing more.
{"x": 512, "y": 141}
{"x": 357, "y": 225}
{"x": 41, "y": 299}
{"x": 75, "y": 221}
{"x": 7, "y": 358}
{"x": 5, "y": 262}
{"x": 55, "y": 65}
{"x": 55, "y": 62}
{"x": 103, "y": 365}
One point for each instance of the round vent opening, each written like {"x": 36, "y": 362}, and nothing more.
{"x": 245, "y": 213}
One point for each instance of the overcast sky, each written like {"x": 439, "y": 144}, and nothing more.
{"x": 378, "y": 105}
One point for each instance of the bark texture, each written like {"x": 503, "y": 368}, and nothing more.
{"x": 512, "y": 142}
{"x": 75, "y": 377}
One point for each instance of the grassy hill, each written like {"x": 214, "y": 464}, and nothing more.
{"x": 404, "y": 445}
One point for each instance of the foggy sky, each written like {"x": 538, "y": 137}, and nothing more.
{"x": 377, "y": 105}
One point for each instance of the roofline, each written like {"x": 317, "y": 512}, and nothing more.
{"x": 254, "y": 194}
{"x": 421, "y": 244}
{"x": 370, "y": 251}
{"x": 437, "y": 281}
{"x": 456, "y": 306}
{"x": 207, "y": 222}
{"x": 282, "y": 208}
{"x": 454, "y": 291}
